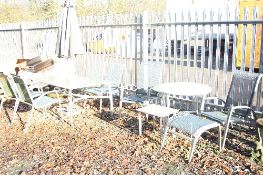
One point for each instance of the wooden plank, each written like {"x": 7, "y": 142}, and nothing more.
{"x": 247, "y": 12}
{"x": 234, "y": 55}
{"x": 253, "y": 43}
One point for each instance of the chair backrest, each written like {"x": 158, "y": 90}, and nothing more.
{"x": 242, "y": 89}
{"x": 23, "y": 90}
{"x": 6, "y": 86}
{"x": 155, "y": 69}
{"x": 114, "y": 72}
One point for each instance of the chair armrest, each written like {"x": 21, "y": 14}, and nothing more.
{"x": 46, "y": 93}
{"x": 242, "y": 107}
{"x": 124, "y": 90}
{"x": 249, "y": 109}
{"x": 129, "y": 87}
{"x": 212, "y": 103}
{"x": 49, "y": 92}
{"x": 214, "y": 98}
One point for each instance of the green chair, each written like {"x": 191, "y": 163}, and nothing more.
{"x": 8, "y": 93}
{"x": 41, "y": 102}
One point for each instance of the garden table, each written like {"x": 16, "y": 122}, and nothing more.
{"x": 183, "y": 89}
{"x": 70, "y": 83}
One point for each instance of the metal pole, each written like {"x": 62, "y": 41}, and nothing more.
{"x": 145, "y": 51}
{"x": 22, "y": 34}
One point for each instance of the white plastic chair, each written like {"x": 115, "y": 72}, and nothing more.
{"x": 108, "y": 83}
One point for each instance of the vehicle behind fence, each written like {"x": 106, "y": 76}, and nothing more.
{"x": 203, "y": 46}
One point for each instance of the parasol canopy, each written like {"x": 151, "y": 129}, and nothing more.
{"x": 69, "y": 43}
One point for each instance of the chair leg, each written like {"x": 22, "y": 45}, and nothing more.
{"x": 225, "y": 135}
{"x": 120, "y": 105}
{"x": 45, "y": 112}
{"x": 194, "y": 141}
{"x": 2, "y": 103}
{"x": 260, "y": 143}
{"x": 29, "y": 120}
{"x": 60, "y": 110}
{"x": 220, "y": 137}
{"x": 100, "y": 104}
{"x": 85, "y": 103}
{"x": 15, "y": 111}
{"x": 111, "y": 103}
{"x": 140, "y": 123}
{"x": 260, "y": 134}
{"x": 164, "y": 136}
{"x": 161, "y": 122}
{"x": 120, "y": 108}
{"x": 147, "y": 117}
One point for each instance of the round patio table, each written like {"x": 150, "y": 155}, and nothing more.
{"x": 183, "y": 89}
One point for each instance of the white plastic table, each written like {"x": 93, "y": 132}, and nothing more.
{"x": 183, "y": 89}
{"x": 69, "y": 83}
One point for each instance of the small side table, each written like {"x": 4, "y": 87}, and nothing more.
{"x": 156, "y": 110}
{"x": 259, "y": 124}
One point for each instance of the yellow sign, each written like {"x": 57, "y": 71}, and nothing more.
{"x": 249, "y": 4}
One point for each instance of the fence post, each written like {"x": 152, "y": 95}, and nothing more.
{"x": 145, "y": 50}
{"x": 141, "y": 35}
{"x": 135, "y": 49}
{"x": 22, "y": 35}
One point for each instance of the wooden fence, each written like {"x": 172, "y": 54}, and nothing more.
{"x": 200, "y": 46}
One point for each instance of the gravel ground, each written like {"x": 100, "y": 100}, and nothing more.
{"x": 101, "y": 143}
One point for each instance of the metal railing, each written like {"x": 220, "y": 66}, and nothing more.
{"x": 196, "y": 46}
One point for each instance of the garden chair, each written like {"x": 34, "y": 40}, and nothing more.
{"x": 41, "y": 102}
{"x": 145, "y": 97}
{"x": 237, "y": 108}
{"x": 109, "y": 84}
{"x": 30, "y": 79}
{"x": 191, "y": 127}
{"x": 137, "y": 94}
{"x": 8, "y": 93}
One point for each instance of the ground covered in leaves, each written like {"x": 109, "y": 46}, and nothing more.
{"x": 100, "y": 143}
